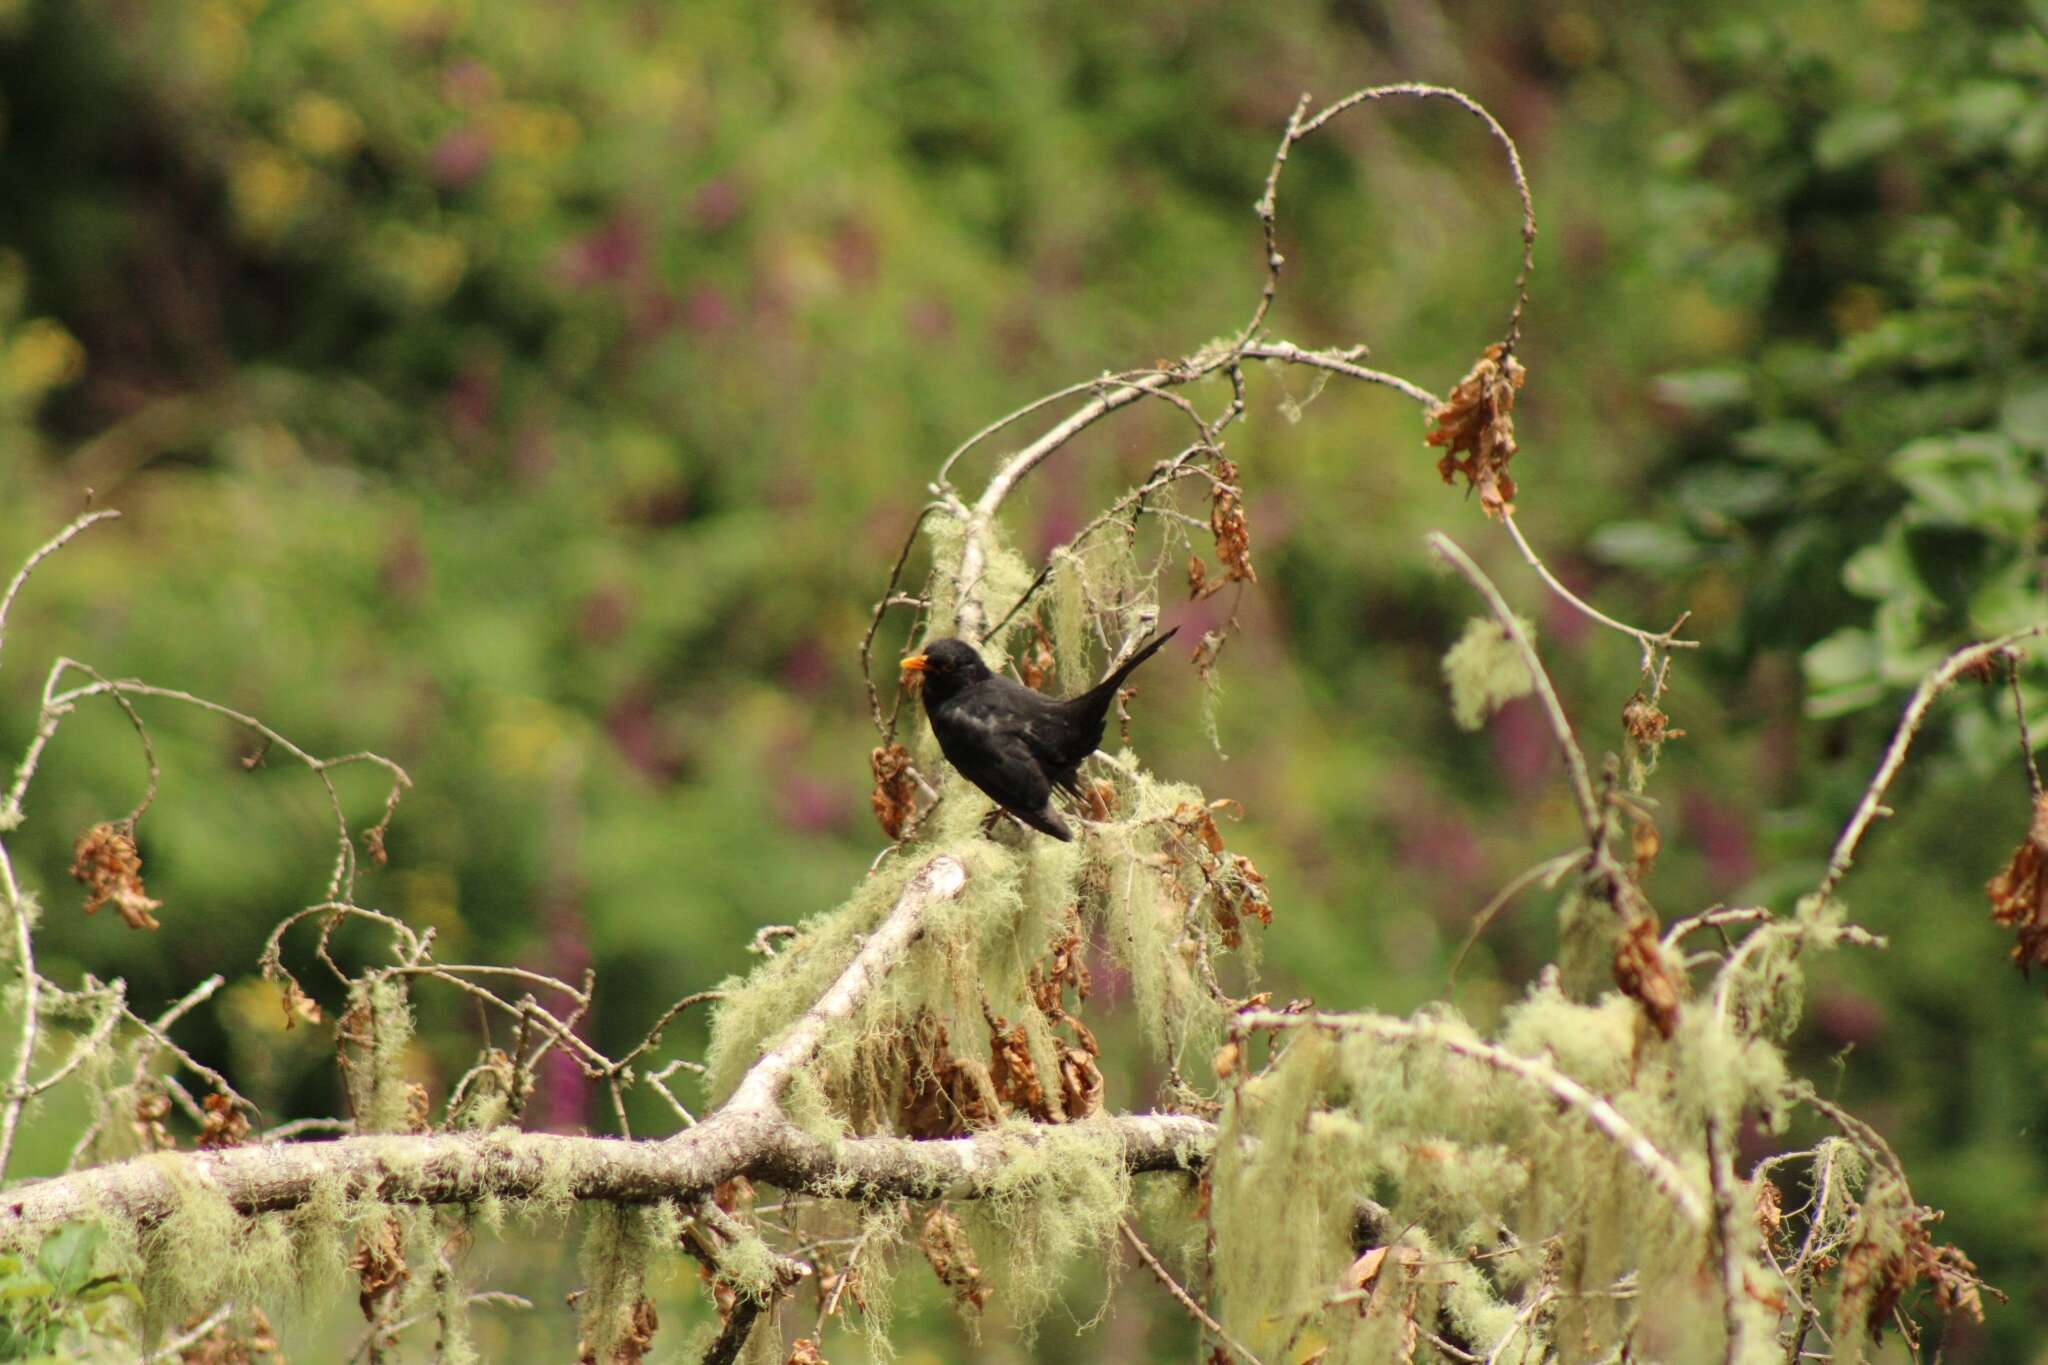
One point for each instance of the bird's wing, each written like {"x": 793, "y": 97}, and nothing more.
{"x": 991, "y": 745}
{"x": 1043, "y": 724}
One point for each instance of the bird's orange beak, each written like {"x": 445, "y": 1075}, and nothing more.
{"x": 914, "y": 664}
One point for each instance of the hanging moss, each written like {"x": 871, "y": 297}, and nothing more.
{"x": 1058, "y": 1194}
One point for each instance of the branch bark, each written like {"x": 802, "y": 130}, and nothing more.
{"x": 460, "y": 1168}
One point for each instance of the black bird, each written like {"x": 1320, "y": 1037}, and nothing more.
{"x": 1014, "y": 743}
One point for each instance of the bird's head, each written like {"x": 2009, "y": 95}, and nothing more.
{"x": 945, "y": 667}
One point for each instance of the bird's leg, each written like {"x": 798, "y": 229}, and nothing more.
{"x": 989, "y": 821}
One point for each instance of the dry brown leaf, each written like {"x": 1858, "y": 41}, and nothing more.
{"x": 1477, "y": 422}
{"x": 299, "y": 1005}
{"x": 1036, "y": 664}
{"x": 106, "y": 860}
{"x": 943, "y": 1095}
{"x": 1080, "y": 1084}
{"x": 894, "y": 798}
{"x": 1010, "y": 1070}
{"x": 2019, "y": 894}
{"x": 379, "y": 1266}
{"x": 1644, "y": 844}
{"x": 804, "y": 1351}
{"x": 225, "y": 1125}
{"x": 1365, "y": 1272}
{"x": 1227, "y": 524}
{"x": 1769, "y": 1210}
{"x": 1640, "y": 972}
{"x": 1226, "y": 1059}
{"x": 151, "y": 1110}
{"x": 951, "y": 1257}
{"x": 1645, "y": 724}
{"x": 418, "y": 1109}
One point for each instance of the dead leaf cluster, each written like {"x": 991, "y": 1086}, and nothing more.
{"x": 1237, "y": 887}
{"x": 225, "y": 1125}
{"x": 379, "y": 1266}
{"x": 894, "y": 798}
{"x": 106, "y": 860}
{"x": 2019, "y": 894}
{"x": 1643, "y": 976}
{"x": 1476, "y": 428}
{"x": 951, "y": 1255}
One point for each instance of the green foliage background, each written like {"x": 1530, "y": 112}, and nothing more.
{"x": 535, "y": 392}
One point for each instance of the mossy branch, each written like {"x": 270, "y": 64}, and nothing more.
{"x": 463, "y": 1168}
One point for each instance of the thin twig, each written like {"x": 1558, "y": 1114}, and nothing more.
{"x": 1650, "y": 641}
{"x": 2019, "y": 719}
{"x": 41, "y": 553}
{"x": 1574, "y": 758}
{"x": 1935, "y": 683}
{"x": 1185, "y": 1299}
{"x": 1549, "y": 867}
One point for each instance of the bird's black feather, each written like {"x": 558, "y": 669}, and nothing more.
{"x": 1015, "y": 744}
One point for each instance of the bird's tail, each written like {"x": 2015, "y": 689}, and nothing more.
{"x": 1103, "y": 693}
{"x": 1109, "y": 685}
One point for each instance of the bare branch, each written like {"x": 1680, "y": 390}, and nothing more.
{"x": 1574, "y": 758}
{"x": 41, "y": 553}
{"x": 1937, "y": 682}
{"x": 1186, "y": 1300}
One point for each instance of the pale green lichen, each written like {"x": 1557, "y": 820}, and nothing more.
{"x": 620, "y": 1243}
{"x": 1485, "y": 670}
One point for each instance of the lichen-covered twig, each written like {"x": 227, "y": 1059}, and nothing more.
{"x": 760, "y": 1090}
{"x": 1661, "y": 1171}
{"x": 460, "y": 1168}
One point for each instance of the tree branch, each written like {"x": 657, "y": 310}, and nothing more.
{"x": 460, "y": 1168}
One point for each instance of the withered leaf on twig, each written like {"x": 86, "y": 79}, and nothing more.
{"x": 2019, "y": 894}
{"x": 1227, "y": 524}
{"x": 1640, "y": 971}
{"x": 951, "y": 1256}
{"x": 1036, "y": 665}
{"x": 379, "y": 1265}
{"x": 299, "y": 1005}
{"x": 1477, "y": 422}
{"x": 225, "y": 1125}
{"x": 107, "y": 862}
{"x": 895, "y": 795}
